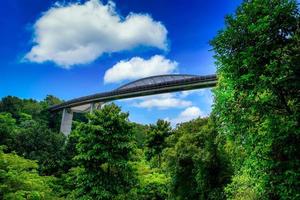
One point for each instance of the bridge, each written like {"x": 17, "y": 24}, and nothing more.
{"x": 146, "y": 86}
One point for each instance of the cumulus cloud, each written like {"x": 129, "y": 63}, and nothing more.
{"x": 163, "y": 101}
{"x": 205, "y": 94}
{"x": 188, "y": 114}
{"x": 137, "y": 67}
{"x": 187, "y": 93}
{"x": 79, "y": 33}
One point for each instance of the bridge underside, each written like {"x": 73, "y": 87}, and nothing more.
{"x": 143, "y": 87}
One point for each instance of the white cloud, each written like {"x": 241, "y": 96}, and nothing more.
{"x": 163, "y": 101}
{"x": 200, "y": 92}
{"x": 80, "y": 33}
{"x": 206, "y": 94}
{"x": 188, "y": 114}
{"x": 137, "y": 67}
{"x": 186, "y": 93}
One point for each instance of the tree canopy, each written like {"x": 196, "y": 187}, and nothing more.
{"x": 257, "y": 98}
{"x": 104, "y": 150}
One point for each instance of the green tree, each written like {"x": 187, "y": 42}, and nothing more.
{"x": 35, "y": 141}
{"x": 156, "y": 139}
{"x": 140, "y": 134}
{"x": 193, "y": 161}
{"x": 53, "y": 119}
{"x": 16, "y": 106}
{"x": 20, "y": 180}
{"x": 7, "y": 130}
{"x": 257, "y": 98}
{"x": 152, "y": 183}
{"x": 104, "y": 147}
{"x": 12, "y": 105}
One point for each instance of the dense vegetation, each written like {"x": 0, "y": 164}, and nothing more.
{"x": 247, "y": 149}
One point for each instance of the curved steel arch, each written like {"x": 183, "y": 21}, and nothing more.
{"x": 155, "y": 80}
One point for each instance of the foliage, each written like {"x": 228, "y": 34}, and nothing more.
{"x": 12, "y": 105}
{"x": 257, "y": 98}
{"x": 140, "y": 136}
{"x": 25, "y": 130}
{"x": 52, "y": 119}
{"x": 152, "y": 183}
{"x": 20, "y": 180}
{"x": 104, "y": 149}
{"x": 7, "y": 130}
{"x": 156, "y": 139}
{"x": 247, "y": 149}
{"x": 70, "y": 151}
{"x": 36, "y": 141}
{"x": 196, "y": 169}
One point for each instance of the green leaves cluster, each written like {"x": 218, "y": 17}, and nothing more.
{"x": 20, "y": 179}
{"x": 25, "y": 128}
{"x": 257, "y": 98}
{"x": 104, "y": 151}
{"x": 156, "y": 137}
{"x": 197, "y": 169}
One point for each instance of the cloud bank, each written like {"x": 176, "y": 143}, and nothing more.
{"x": 80, "y": 33}
{"x": 137, "y": 67}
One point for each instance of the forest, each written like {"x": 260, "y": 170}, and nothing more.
{"x": 247, "y": 149}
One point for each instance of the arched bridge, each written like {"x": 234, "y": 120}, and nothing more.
{"x": 142, "y": 87}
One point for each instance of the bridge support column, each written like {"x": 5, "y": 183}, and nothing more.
{"x": 92, "y": 107}
{"x": 95, "y": 106}
{"x": 66, "y": 121}
{"x": 67, "y": 116}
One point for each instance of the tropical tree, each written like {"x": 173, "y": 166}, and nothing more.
{"x": 257, "y": 98}
{"x": 20, "y": 180}
{"x": 34, "y": 140}
{"x": 104, "y": 151}
{"x": 155, "y": 142}
{"x": 193, "y": 161}
{"x": 7, "y": 130}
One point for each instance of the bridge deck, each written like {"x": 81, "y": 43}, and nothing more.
{"x": 143, "y": 87}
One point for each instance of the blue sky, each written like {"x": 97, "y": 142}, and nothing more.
{"x": 76, "y": 48}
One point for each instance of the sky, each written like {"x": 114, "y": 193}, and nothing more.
{"x": 71, "y": 49}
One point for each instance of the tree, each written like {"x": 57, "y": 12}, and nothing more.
{"x": 53, "y": 119}
{"x": 17, "y": 106}
{"x": 7, "y": 130}
{"x": 156, "y": 139}
{"x": 35, "y": 141}
{"x": 20, "y": 180}
{"x": 11, "y": 105}
{"x": 152, "y": 183}
{"x": 140, "y": 134}
{"x": 104, "y": 147}
{"x": 193, "y": 161}
{"x": 257, "y": 98}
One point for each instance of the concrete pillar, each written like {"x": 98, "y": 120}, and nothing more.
{"x": 66, "y": 121}
{"x": 95, "y": 106}
{"x": 92, "y": 107}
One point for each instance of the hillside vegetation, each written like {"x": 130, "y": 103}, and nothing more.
{"x": 247, "y": 149}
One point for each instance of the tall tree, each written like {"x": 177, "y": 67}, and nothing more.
{"x": 7, "y": 130}
{"x": 193, "y": 161}
{"x": 34, "y": 140}
{"x": 257, "y": 98}
{"x": 52, "y": 118}
{"x": 104, "y": 147}
{"x": 156, "y": 139}
{"x": 11, "y": 104}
